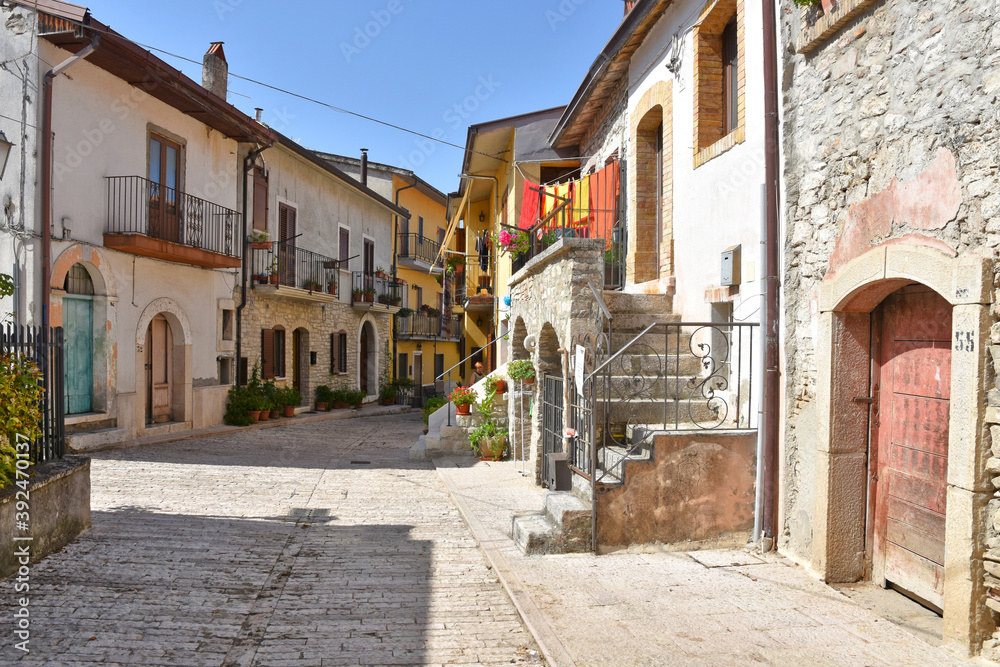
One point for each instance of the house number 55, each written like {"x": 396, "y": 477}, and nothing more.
{"x": 964, "y": 342}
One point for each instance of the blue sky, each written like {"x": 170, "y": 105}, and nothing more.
{"x": 432, "y": 67}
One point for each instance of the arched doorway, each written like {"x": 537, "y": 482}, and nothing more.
{"x": 911, "y": 391}
{"x": 368, "y": 360}
{"x": 159, "y": 371}
{"x": 300, "y": 363}
{"x": 78, "y": 328}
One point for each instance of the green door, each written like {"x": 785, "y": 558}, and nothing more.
{"x": 78, "y": 327}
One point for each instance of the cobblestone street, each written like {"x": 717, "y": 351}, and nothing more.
{"x": 311, "y": 544}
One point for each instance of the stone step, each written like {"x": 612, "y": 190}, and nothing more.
{"x": 640, "y": 359}
{"x": 92, "y": 441}
{"x": 636, "y": 322}
{"x": 648, "y": 386}
{"x": 563, "y": 526}
{"x": 627, "y": 302}
{"x": 656, "y": 339}
{"x": 651, "y": 411}
{"x": 532, "y": 532}
{"x": 610, "y": 458}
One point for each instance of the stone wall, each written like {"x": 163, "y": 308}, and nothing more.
{"x": 551, "y": 301}
{"x": 320, "y": 320}
{"x": 889, "y": 137}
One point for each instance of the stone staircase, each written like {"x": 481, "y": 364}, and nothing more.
{"x": 443, "y": 439}
{"x": 563, "y": 526}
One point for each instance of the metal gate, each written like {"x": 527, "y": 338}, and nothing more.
{"x": 552, "y": 420}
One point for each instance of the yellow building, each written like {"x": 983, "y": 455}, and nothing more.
{"x": 499, "y": 156}
{"x": 429, "y": 340}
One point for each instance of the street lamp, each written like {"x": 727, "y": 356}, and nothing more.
{"x": 5, "y": 147}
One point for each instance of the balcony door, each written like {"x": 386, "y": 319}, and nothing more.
{"x": 368, "y": 260}
{"x": 164, "y": 183}
{"x": 286, "y": 249}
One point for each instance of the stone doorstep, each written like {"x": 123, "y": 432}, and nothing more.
{"x": 562, "y": 526}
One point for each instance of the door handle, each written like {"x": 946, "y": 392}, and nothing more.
{"x": 866, "y": 400}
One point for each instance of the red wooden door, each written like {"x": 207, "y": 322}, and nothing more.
{"x": 914, "y": 385}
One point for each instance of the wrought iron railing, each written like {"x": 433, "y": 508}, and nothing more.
{"x": 678, "y": 376}
{"x": 280, "y": 263}
{"x": 430, "y": 326}
{"x": 137, "y": 205}
{"x": 370, "y": 288}
{"x": 417, "y": 247}
{"x": 479, "y": 280}
{"x": 45, "y": 349}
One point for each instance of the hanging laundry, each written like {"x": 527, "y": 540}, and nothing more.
{"x": 529, "y": 205}
{"x": 604, "y": 200}
{"x": 562, "y": 193}
{"x": 483, "y": 246}
{"x": 579, "y": 215}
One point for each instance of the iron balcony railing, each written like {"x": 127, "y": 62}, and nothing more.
{"x": 280, "y": 263}
{"x": 369, "y": 288}
{"x": 417, "y": 247}
{"x": 430, "y": 326}
{"x": 137, "y": 205}
{"x": 679, "y": 376}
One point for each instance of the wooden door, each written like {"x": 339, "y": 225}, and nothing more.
{"x": 363, "y": 362}
{"x": 78, "y": 325}
{"x": 418, "y": 374}
{"x": 297, "y": 349}
{"x": 158, "y": 375}
{"x": 913, "y": 342}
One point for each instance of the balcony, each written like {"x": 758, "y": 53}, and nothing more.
{"x": 479, "y": 285}
{"x": 152, "y": 220}
{"x": 419, "y": 326}
{"x": 369, "y": 291}
{"x": 290, "y": 272}
{"x": 414, "y": 251}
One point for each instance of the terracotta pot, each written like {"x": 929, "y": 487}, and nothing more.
{"x": 463, "y": 409}
{"x": 530, "y": 380}
{"x": 289, "y": 410}
{"x": 255, "y": 415}
{"x": 369, "y": 297}
{"x": 426, "y": 431}
{"x": 389, "y": 401}
{"x": 341, "y": 406}
{"x": 274, "y": 278}
{"x": 491, "y": 449}
{"x": 501, "y": 386}
{"x": 260, "y": 245}
{"x": 275, "y": 414}
{"x": 320, "y": 406}
{"x": 265, "y": 415}
{"x": 332, "y": 289}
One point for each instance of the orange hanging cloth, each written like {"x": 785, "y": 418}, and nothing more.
{"x": 579, "y": 215}
{"x": 604, "y": 201}
{"x": 529, "y": 205}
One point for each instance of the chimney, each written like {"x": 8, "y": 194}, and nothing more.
{"x": 364, "y": 166}
{"x": 629, "y": 4}
{"x": 215, "y": 70}
{"x": 260, "y": 112}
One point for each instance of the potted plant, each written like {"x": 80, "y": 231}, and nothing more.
{"x": 380, "y": 272}
{"x": 496, "y": 384}
{"x": 489, "y": 440}
{"x": 358, "y": 294}
{"x": 463, "y": 398}
{"x": 522, "y": 370}
{"x": 238, "y": 407}
{"x": 290, "y": 397}
{"x": 260, "y": 241}
{"x": 356, "y": 398}
{"x": 387, "y": 394}
{"x": 369, "y": 294}
{"x": 404, "y": 312}
{"x": 324, "y": 397}
{"x": 341, "y": 399}
{"x": 331, "y": 286}
{"x": 314, "y": 286}
{"x": 274, "y": 271}
{"x": 273, "y": 395}
{"x": 430, "y": 406}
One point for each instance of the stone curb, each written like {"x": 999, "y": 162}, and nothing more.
{"x": 549, "y": 644}
{"x": 377, "y": 411}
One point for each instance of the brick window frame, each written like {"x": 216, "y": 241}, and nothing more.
{"x": 710, "y": 138}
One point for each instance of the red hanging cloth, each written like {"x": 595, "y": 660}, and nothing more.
{"x": 529, "y": 205}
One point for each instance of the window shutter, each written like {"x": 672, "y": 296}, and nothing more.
{"x": 342, "y": 356}
{"x": 345, "y": 248}
{"x": 267, "y": 354}
{"x": 259, "y": 201}
{"x": 279, "y": 352}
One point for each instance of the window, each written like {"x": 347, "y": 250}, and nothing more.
{"x": 225, "y": 370}
{"x": 369, "y": 257}
{"x": 259, "y": 199}
{"x": 419, "y": 300}
{"x": 338, "y": 352}
{"x": 404, "y": 366}
{"x": 345, "y": 249}
{"x": 730, "y": 70}
{"x": 420, "y": 225}
{"x": 272, "y": 353}
{"x": 227, "y": 324}
{"x": 438, "y": 366}
{"x": 78, "y": 281}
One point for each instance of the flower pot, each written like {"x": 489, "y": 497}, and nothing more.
{"x": 275, "y": 414}
{"x": 491, "y": 449}
{"x": 255, "y": 415}
{"x": 274, "y": 278}
{"x": 332, "y": 289}
{"x": 530, "y": 380}
{"x": 463, "y": 409}
{"x": 389, "y": 401}
{"x": 265, "y": 415}
{"x": 320, "y": 406}
{"x": 369, "y": 297}
{"x": 288, "y": 411}
{"x": 260, "y": 245}
{"x": 341, "y": 406}
{"x": 501, "y": 386}
{"x": 426, "y": 431}
{"x": 260, "y": 279}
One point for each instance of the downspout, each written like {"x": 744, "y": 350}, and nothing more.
{"x": 772, "y": 380}
{"x": 46, "y": 213}
{"x": 395, "y": 251}
{"x": 248, "y": 163}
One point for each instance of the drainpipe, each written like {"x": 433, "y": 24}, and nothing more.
{"x": 772, "y": 378}
{"x": 46, "y": 213}
{"x": 248, "y": 163}
{"x": 395, "y": 250}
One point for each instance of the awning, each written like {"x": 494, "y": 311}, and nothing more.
{"x": 452, "y": 226}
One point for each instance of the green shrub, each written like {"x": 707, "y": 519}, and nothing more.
{"x": 342, "y": 395}
{"x": 20, "y": 410}
{"x": 290, "y": 396}
{"x": 324, "y": 394}
{"x": 356, "y": 397}
{"x": 520, "y": 369}
{"x": 238, "y": 408}
{"x": 431, "y": 406}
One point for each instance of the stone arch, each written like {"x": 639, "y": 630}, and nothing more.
{"x": 93, "y": 260}
{"x": 846, "y": 300}
{"x": 549, "y": 357}
{"x": 651, "y": 254}
{"x": 181, "y": 361}
{"x": 517, "y": 337}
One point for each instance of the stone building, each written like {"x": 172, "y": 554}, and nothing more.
{"x": 319, "y": 303}
{"x": 891, "y": 218}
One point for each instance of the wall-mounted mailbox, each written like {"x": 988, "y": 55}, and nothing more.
{"x": 731, "y": 269}
{"x": 312, "y": 358}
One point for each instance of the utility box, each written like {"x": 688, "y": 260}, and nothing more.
{"x": 731, "y": 269}
{"x": 559, "y": 478}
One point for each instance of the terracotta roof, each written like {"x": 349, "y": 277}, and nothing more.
{"x": 609, "y": 68}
